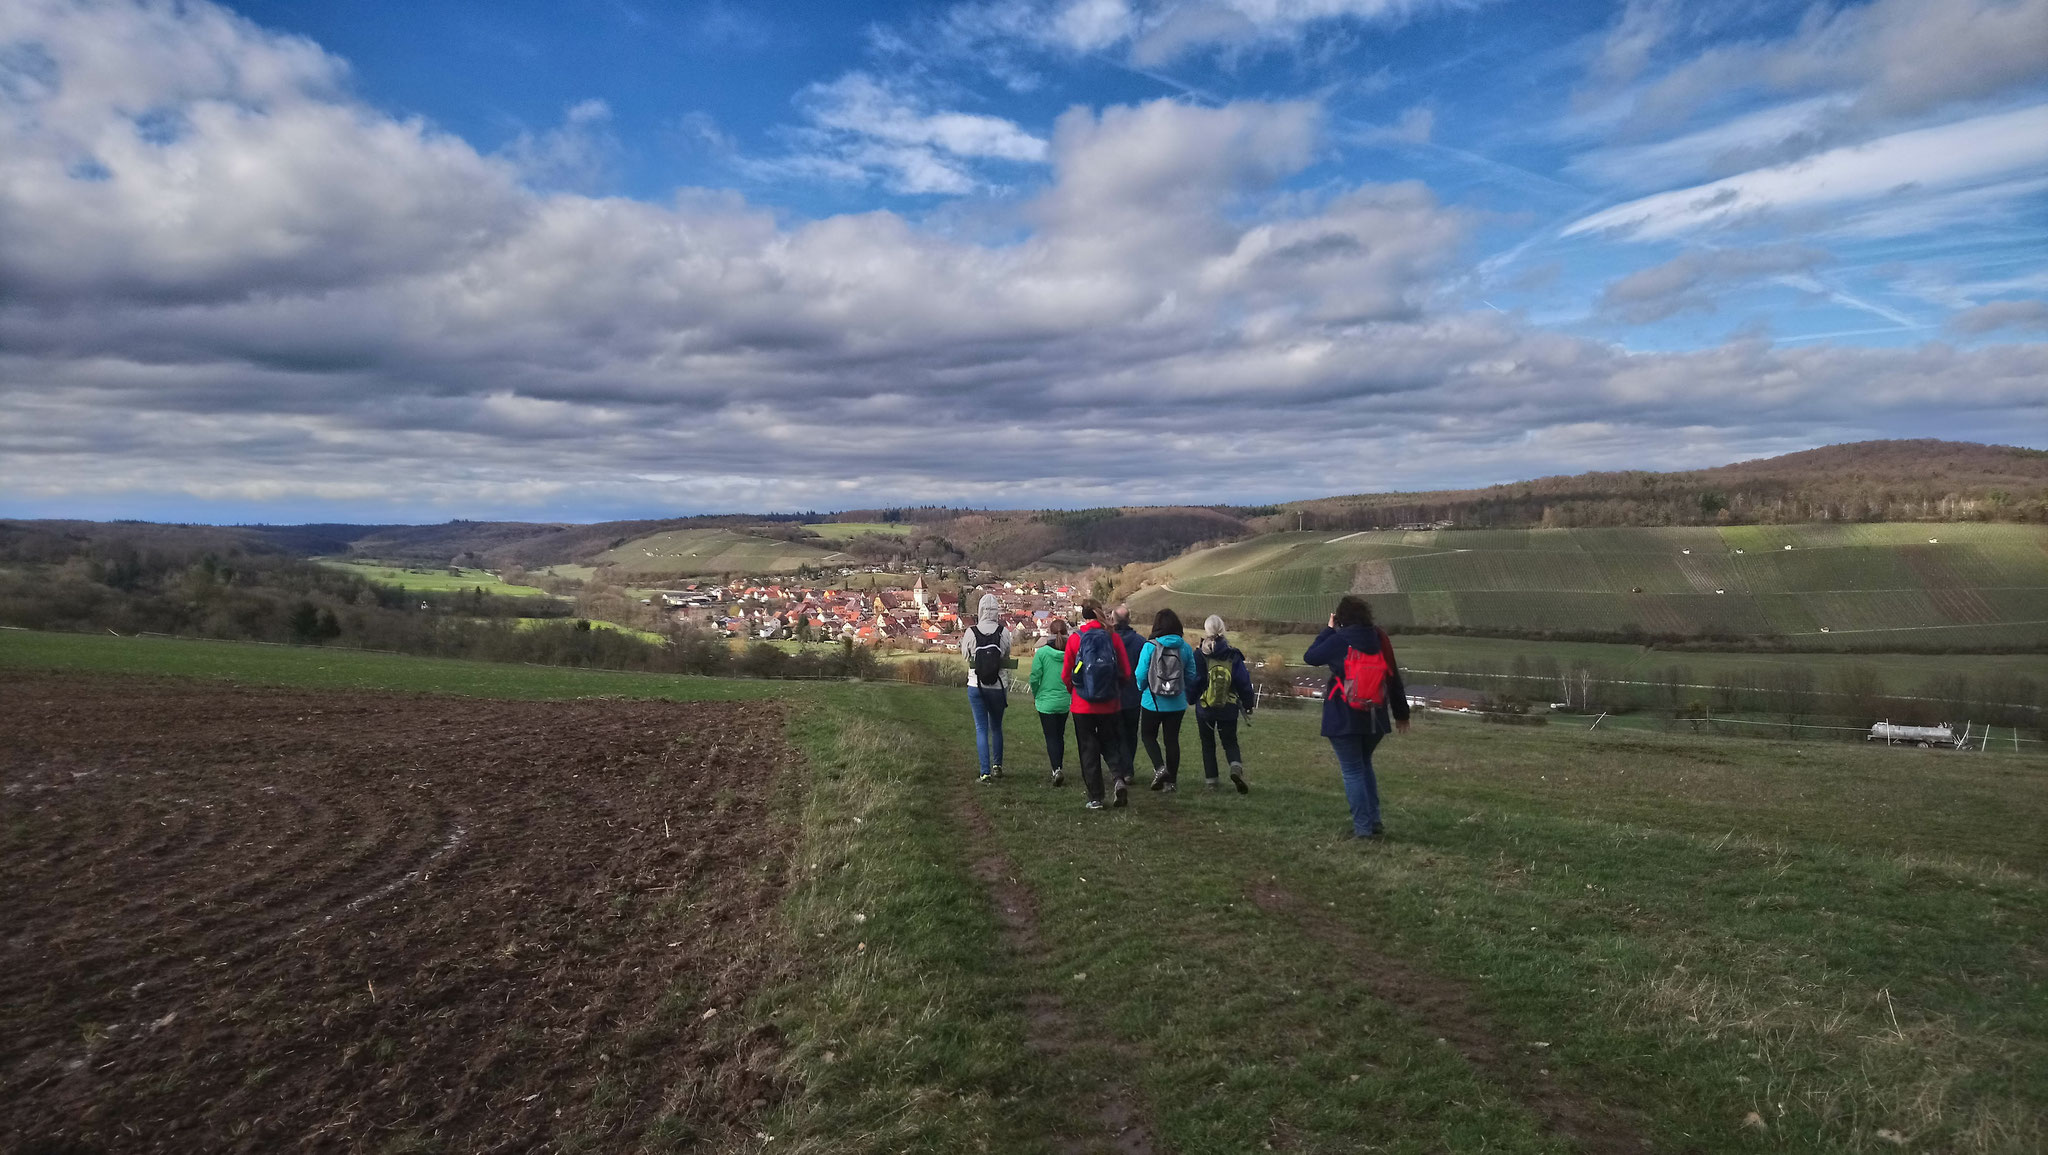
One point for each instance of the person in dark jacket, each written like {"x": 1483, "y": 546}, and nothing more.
{"x": 1354, "y": 734}
{"x": 1226, "y": 689}
{"x": 1096, "y": 738}
{"x": 1134, "y": 695}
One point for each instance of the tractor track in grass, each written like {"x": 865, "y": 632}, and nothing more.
{"x": 1051, "y": 1028}
{"x": 1448, "y": 1009}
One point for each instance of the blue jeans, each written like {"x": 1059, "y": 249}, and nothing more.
{"x": 1361, "y": 786}
{"x": 988, "y": 706}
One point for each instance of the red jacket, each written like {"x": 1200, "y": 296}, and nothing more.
{"x": 1123, "y": 661}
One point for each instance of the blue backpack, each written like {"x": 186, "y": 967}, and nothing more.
{"x": 1096, "y": 673}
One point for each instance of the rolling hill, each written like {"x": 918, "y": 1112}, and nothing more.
{"x": 1900, "y": 480}
{"x": 1966, "y": 586}
{"x": 706, "y": 552}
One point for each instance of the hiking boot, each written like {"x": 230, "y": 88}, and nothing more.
{"x": 1059, "y": 778}
{"x": 985, "y": 779}
{"x": 996, "y": 771}
{"x": 1237, "y": 778}
{"x": 1158, "y": 779}
{"x": 1212, "y": 784}
{"x": 1123, "y": 790}
{"x": 1093, "y": 804}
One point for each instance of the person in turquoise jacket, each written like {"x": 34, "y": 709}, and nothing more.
{"x": 1050, "y": 694}
{"x": 1165, "y": 694}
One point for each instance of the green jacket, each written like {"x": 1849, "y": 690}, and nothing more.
{"x": 1048, "y": 690}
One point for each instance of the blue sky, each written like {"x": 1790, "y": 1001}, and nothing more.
{"x": 588, "y": 259}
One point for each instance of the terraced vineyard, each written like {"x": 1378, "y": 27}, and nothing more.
{"x": 693, "y": 552}
{"x": 1853, "y": 586}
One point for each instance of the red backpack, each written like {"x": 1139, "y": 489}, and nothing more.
{"x": 1363, "y": 684}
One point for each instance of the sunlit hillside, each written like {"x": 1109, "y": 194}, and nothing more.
{"x": 1861, "y": 586}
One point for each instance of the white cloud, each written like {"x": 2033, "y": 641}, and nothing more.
{"x": 1154, "y": 32}
{"x": 1091, "y": 25}
{"x": 577, "y": 154}
{"x": 861, "y": 126}
{"x": 1734, "y": 145}
{"x": 1904, "y": 164}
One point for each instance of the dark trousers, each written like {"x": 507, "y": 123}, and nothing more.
{"x": 1165, "y": 724}
{"x": 1127, "y": 748}
{"x": 1055, "y": 727}
{"x": 1217, "y": 724}
{"x": 1098, "y": 738}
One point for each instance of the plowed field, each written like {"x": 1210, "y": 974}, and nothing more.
{"x": 248, "y": 920}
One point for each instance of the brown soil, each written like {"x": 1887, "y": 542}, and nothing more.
{"x": 1050, "y": 1027}
{"x": 1448, "y": 1009}
{"x": 253, "y": 920}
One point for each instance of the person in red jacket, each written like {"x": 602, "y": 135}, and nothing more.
{"x": 1096, "y": 669}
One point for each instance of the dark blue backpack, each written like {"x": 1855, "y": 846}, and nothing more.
{"x": 1096, "y": 673}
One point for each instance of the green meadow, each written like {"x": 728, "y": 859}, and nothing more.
{"x": 595, "y": 624}
{"x": 1440, "y": 653}
{"x": 1569, "y": 940}
{"x": 710, "y": 552}
{"x": 432, "y": 579}
{"x": 1868, "y": 587}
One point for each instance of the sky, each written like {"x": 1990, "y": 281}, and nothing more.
{"x": 302, "y": 261}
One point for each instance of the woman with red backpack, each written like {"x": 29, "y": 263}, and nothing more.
{"x": 1364, "y": 702}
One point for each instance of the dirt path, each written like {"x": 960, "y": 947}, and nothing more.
{"x": 267, "y": 920}
{"x": 1051, "y": 1028}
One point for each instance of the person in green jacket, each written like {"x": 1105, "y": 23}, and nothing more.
{"x": 1050, "y": 694}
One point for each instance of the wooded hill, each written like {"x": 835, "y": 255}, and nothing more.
{"x": 1870, "y": 481}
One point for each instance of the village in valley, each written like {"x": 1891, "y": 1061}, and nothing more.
{"x": 921, "y": 618}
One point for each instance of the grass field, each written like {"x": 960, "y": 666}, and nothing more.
{"x": 705, "y": 552}
{"x": 1960, "y": 586}
{"x": 1569, "y": 941}
{"x": 1896, "y": 673}
{"x": 845, "y": 530}
{"x": 432, "y": 580}
{"x": 595, "y": 624}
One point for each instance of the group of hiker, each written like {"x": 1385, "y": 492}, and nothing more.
{"x": 1121, "y": 689}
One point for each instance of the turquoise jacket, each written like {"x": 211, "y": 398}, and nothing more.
{"x": 1189, "y": 689}
{"x": 1048, "y": 690}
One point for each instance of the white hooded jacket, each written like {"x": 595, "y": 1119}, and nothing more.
{"x": 988, "y": 619}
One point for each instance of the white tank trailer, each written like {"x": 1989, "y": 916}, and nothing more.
{"x": 1892, "y": 733}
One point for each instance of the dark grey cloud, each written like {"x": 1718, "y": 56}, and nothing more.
{"x": 2031, "y": 315}
{"x": 1690, "y": 280}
